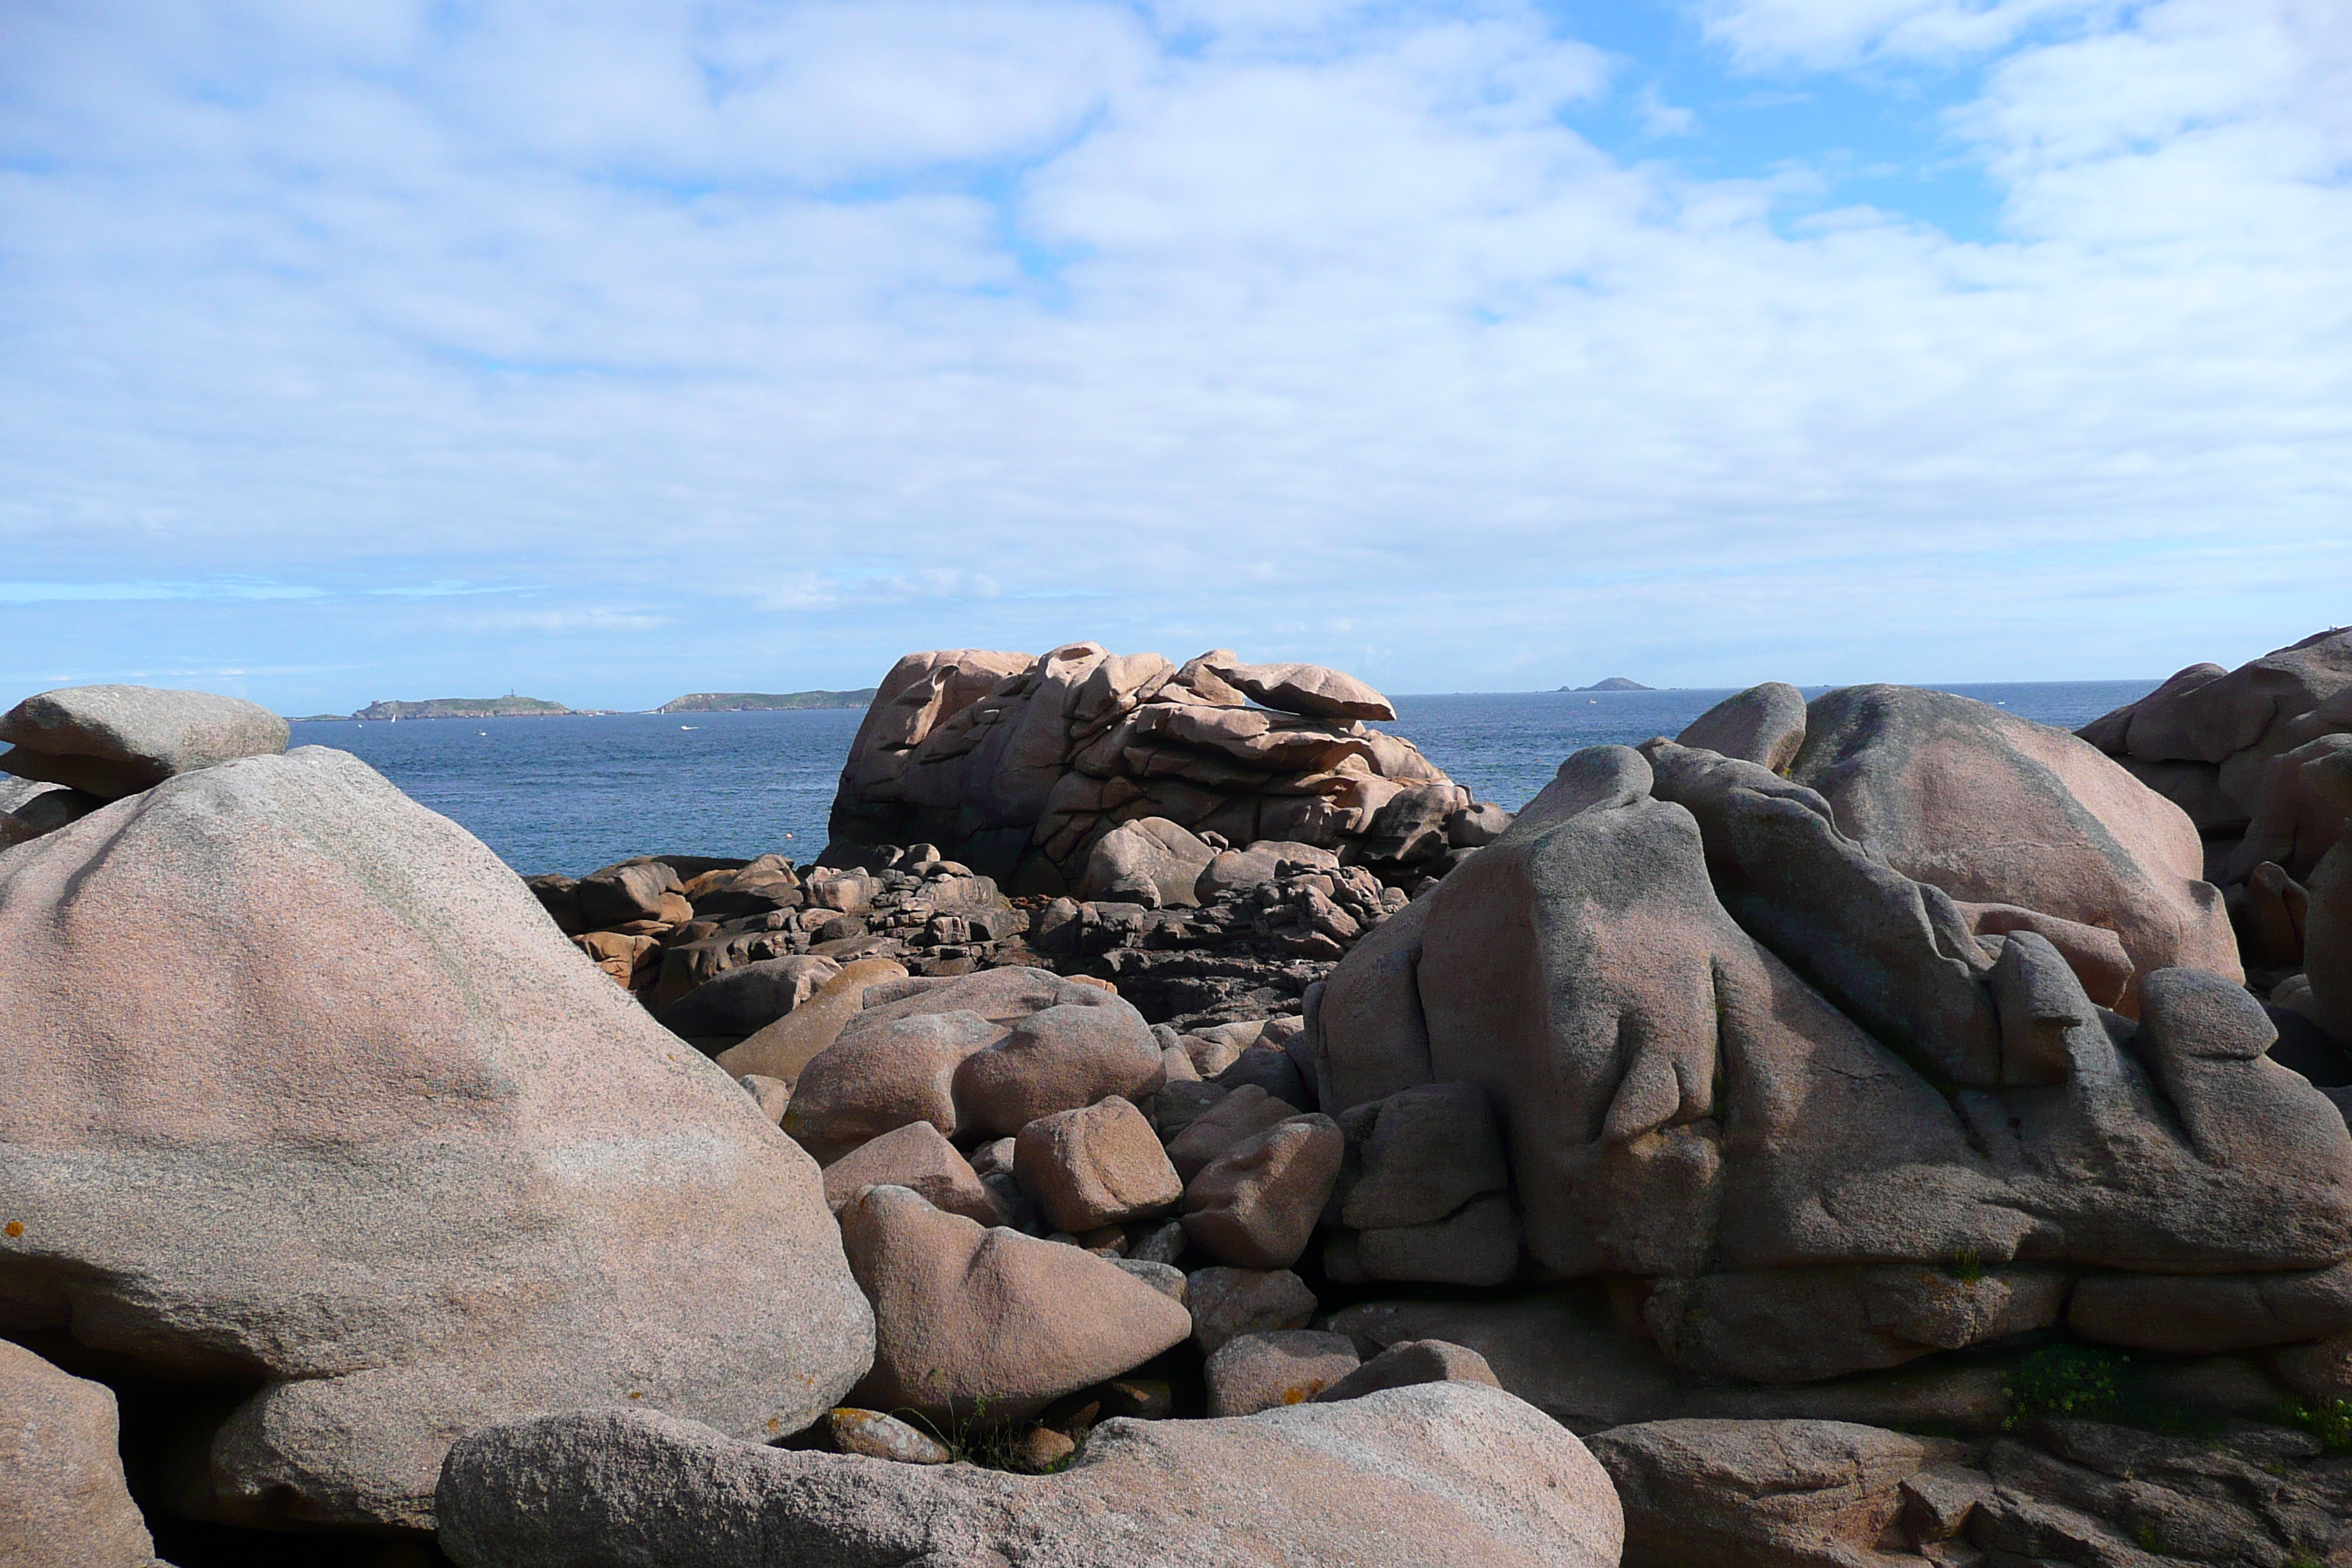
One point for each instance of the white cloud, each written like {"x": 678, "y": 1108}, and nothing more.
{"x": 1660, "y": 118}
{"x": 1306, "y": 328}
{"x": 1829, "y": 33}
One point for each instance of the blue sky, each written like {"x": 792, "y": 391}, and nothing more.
{"x": 607, "y": 351}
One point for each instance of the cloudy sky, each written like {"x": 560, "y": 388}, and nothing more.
{"x": 358, "y": 348}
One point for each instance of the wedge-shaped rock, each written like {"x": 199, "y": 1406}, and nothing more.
{"x": 915, "y": 1157}
{"x": 1764, "y": 724}
{"x": 991, "y": 1325}
{"x": 1446, "y": 1475}
{"x": 1309, "y": 688}
{"x": 306, "y": 1090}
{"x": 63, "y": 1500}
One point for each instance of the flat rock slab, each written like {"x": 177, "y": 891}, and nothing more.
{"x": 1439, "y": 1475}
{"x": 114, "y": 740}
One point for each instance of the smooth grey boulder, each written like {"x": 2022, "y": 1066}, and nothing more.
{"x": 380, "y": 1143}
{"x": 1446, "y": 1475}
{"x": 114, "y": 741}
{"x": 1764, "y": 724}
{"x": 63, "y": 1501}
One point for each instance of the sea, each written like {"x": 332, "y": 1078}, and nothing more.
{"x": 573, "y": 793}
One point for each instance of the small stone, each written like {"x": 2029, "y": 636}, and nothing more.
{"x": 1409, "y": 1362}
{"x": 770, "y": 1094}
{"x": 1038, "y": 1451}
{"x": 1161, "y": 1243}
{"x": 1103, "y": 1241}
{"x": 1164, "y": 1277}
{"x": 1229, "y": 1302}
{"x": 880, "y": 1437}
{"x": 1251, "y": 1373}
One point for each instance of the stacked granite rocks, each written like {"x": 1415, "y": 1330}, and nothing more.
{"x": 1021, "y": 766}
{"x": 2259, "y": 758}
{"x": 667, "y": 925}
{"x": 72, "y": 751}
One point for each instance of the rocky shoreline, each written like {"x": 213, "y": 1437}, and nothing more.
{"x": 1171, "y": 1122}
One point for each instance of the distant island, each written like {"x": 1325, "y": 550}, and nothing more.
{"x": 1615, "y": 683}
{"x": 506, "y": 707}
{"x": 763, "y": 702}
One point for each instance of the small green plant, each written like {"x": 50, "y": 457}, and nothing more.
{"x": 1968, "y": 1269}
{"x": 2329, "y": 1420}
{"x": 2149, "y": 1542}
{"x": 2081, "y": 1381}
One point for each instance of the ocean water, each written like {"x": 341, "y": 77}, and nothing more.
{"x": 574, "y": 794}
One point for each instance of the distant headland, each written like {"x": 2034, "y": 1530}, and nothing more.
{"x": 507, "y": 707}
{"x": 763, "y": 702}
{"x": 1615, "y": 683}
{"x": 512, "y": 706}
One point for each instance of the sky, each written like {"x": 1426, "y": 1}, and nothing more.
{"x": 362, "y": 349}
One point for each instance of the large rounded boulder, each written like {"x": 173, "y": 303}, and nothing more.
{"x": 2008, "y": 816}
{"x": 307, "y": 1092}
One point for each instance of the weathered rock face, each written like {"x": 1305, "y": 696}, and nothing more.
{"x": 1790, "y": 1494}
{"x": 1446, "y": 1475}
{"x": 1023, "y": 767}
{"x": 1833, "y": 1494}
{"x": 380, "y": 1143}
{"x": 1755, "y": 1075}
{"x": 63, "y": 1503}
{"x": 2230, "y": 723}
{"x": 114, "y": 740}
{"x": 2260, "y": 758}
